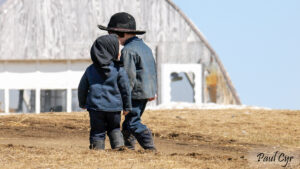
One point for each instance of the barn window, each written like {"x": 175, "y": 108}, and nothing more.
{"x": 181, "y": 83}
{"x": 22, "y": 101}
{"x": 53, "y": 100}
{"x": 182, "y": 87}
{"x": 2, "y": 101}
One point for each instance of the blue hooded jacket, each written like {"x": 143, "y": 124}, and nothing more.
{"x": 105, "y": 85}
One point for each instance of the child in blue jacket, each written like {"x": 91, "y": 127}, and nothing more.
{"x": 104, "y": 91}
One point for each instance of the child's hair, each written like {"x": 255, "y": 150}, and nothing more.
{"x": 120, "y": 34}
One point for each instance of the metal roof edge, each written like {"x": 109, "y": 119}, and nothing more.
{"x": 202, "y": 37}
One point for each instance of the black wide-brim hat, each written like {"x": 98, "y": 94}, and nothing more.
{"x": 122, "y": 22}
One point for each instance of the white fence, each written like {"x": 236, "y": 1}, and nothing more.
{"x": 42, "y": 79}
{"x": 44, "y": 86}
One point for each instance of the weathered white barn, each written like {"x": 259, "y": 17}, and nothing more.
{"x": 45, "y": 44}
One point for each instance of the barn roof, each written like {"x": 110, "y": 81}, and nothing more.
{"x": 65, "y": 30}
{"x": 203, "y": 39}
{"x": 58, "y": 29}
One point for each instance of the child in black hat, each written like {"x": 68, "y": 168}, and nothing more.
{"x": 104, "y": 91}
{"x": 140, "y": 66}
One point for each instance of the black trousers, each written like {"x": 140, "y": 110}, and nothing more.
{"x": 102, "y": 122}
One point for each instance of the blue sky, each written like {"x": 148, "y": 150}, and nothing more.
{"x": 2, "y": 1}
{"x": 259, "y": 44}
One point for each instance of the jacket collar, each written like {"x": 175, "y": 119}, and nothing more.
{"x": 131, "y": 39}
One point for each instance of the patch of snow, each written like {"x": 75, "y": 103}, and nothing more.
{"x": 206, "y": 106}
{"x": 1, "y": 114}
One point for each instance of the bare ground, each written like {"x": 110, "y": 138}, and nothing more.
{"x": 184, "y": 139}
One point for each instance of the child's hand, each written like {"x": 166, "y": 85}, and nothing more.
{"x": 125, "y": 112}
{"x": 153, "y": 98}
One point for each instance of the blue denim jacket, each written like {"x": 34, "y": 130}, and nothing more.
{"x": 101, "y": 93}
{"x": 140, "y": 66}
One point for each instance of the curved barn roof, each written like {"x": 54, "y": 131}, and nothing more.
{"x": 203, "y": 39}
{"x": 64, "y": 30}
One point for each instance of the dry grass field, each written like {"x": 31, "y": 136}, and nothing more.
{"x": 184, "y": 138}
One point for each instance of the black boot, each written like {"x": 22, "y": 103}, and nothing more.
{"x": 145, "y": 140}
{"x": 129, "y": 139}
{"x": 97, "y": 145}
{"x": 116, "y": 139}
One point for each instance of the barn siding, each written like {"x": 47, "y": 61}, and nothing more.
{"x": 48, "y": 29}
{"x": 65, "y": 30}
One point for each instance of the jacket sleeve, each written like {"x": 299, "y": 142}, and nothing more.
{"x": 123, "y": 84}
{"x": 83, "y": 91}
{"x": 129, "y": 65}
